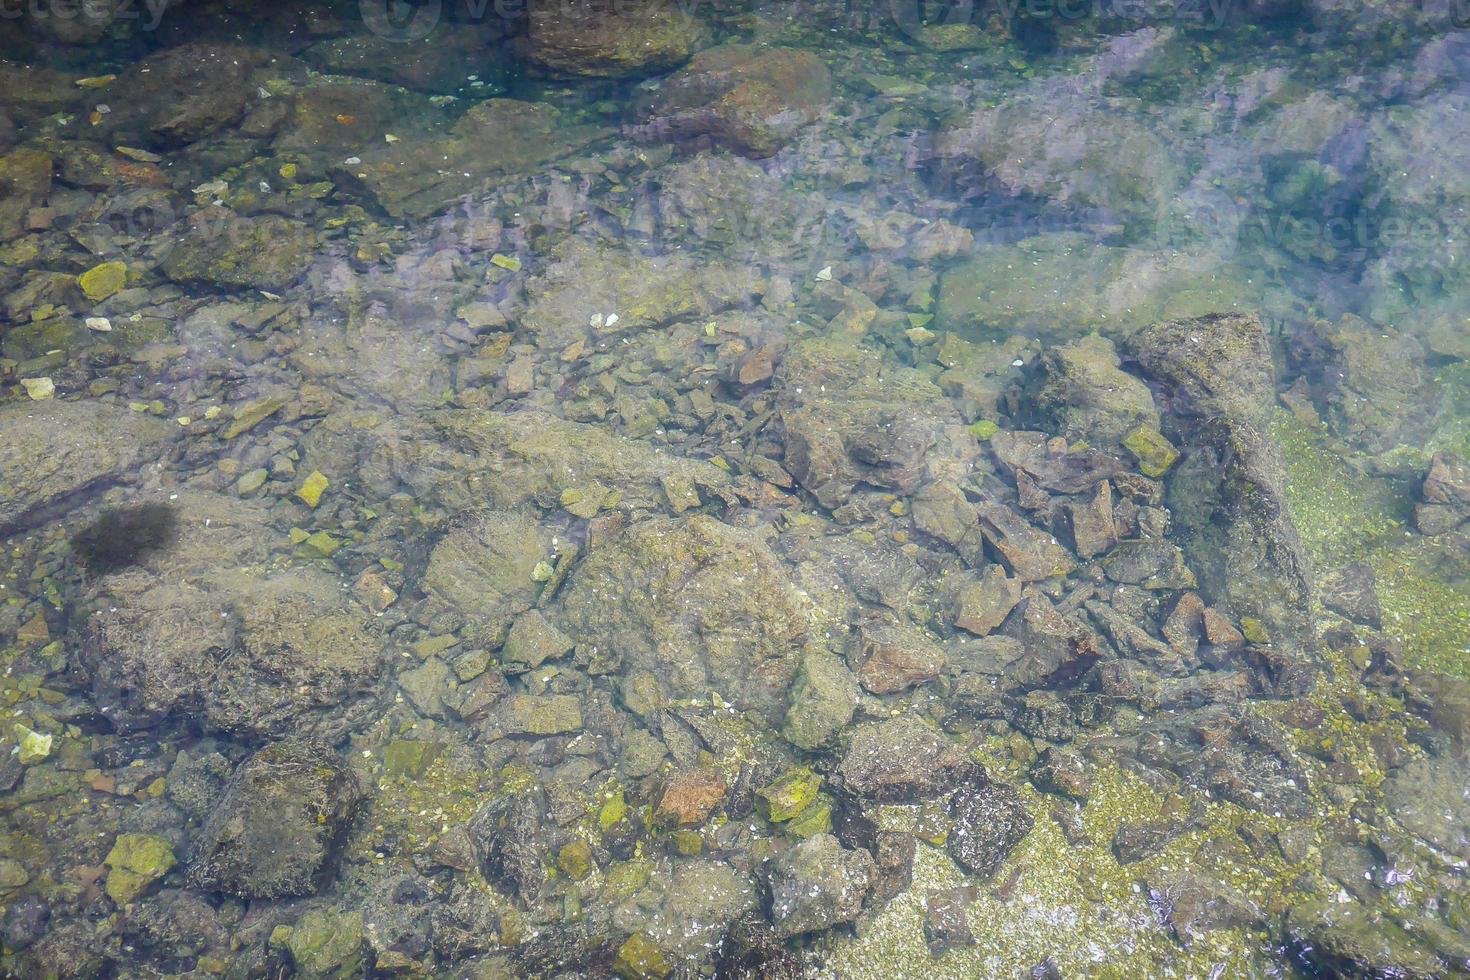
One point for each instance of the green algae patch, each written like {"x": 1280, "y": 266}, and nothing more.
{"x": 788, "y": 796}
{"x": 134, "y": 863}
{"x": 1345, "y": 516}
{"x": 639, "y": 958}
{"x": 1154, "y": 453}
{"x": 327, "y": 945}
{"x": 102, "y": 281}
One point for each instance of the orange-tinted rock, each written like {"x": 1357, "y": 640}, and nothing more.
{"x": 689, "y": 797}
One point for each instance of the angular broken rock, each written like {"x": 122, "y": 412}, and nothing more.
{"x": 818, "y": 884}
{"x": 989, "y": 820}
{"x": 895, "y": 658}
{"x": 1029, "y": 552}
{"x": 982, "y": 606}
{"x": 900, "y": 760}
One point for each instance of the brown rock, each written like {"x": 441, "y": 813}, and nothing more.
{"x": 1029, "y": 552}
{"x": 1182, "y": 628}
{"x": 982, "y": 606}
{"x": 689, "y": 797}
{"x": 749, "y": 98}
{"x": 1091, "y": 522}
{"x": 896, "y": 658}
{"x": 1220, "y": 632}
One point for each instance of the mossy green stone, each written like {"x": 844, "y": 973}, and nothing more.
{"x": 327, "y": 945}
{"x": 1155, "y": 454}
{"x": 783, "y": 799}
{"x": 407, "y": 757}
{"x": 689, "y": 843}
{"x": 102, "y": 281}
{"x": 815, "y": 819}
{"x": 321, "y": 544}
{"x": 639, "y": 958}
{"x": 575, "y": 860}
{"x": 135, "y": 862}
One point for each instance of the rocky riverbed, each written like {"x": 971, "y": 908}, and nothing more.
{"x": 736, "y": 490}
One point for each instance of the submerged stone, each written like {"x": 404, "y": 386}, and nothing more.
{"x": 275, "y": 831}
{"x": 134, "y": 863}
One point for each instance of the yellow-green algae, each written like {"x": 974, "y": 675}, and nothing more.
{"x": 1345, "y": 516}
{"x": 1074, "y": 904}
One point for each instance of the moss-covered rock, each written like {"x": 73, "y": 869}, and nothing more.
{"x": 134, "y": 863}
{"x": 224, "y": 249}
{"x": 630, "y": 39}
{"x": 822, "y": 701}
{"x": 275, "y": 831}
{"x": 327, "y": 945}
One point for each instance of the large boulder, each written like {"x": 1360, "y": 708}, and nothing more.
{"x": 610, "y": 40}
{"x": 220, "y": 248}
{"x": 1215, "y": 382}
{"x": 747, "y": 98}
{"x": 255, "y": 658}
{"x": 55, "y": 451}
{"x": 181, "y": 94}
{"x": 440, "y": 62}
{"x": 415, "y": 178}
{"x": 276, "y": 830}
{"x": 705, "y": 606}
{"x": 818, "y": 884}
{"x": 1054, "y": 141}
{"x": 196, "y": 630}
{"x": 585, "y": 281}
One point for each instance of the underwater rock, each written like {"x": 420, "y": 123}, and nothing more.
{"x": 849, "y": 419}
{"x": 1192, "y": 905}
{"x": 823, "y": 697}
{"x": 181, "y": 94}
{"x": 25, "y": 182}
{"x": 1081, "y": 391}
{"x": 706, "y": 606}
{"x": 54, "y": 452}
{"x": 817, "y": 884}
{"x": 749, "y": 99}
{"x": 484, "y": 567}
{"x": 981, "y": 604}
{"x": 276, "y": 830}
{"x": 440, "y": 62}
{"x": 595, "y": 40}
{"x": 1347, "y": 939}
{"x": 899, "y": 761}
{"x": 415, "y": 178}
{"x": 947, "y": 920}
{"x": 225, "y": 249}
{"x": 1214, "y": 379}
{"x": 7, "y": 131}
{"x": 514, "y": 837}
{"x": 184, "y": 635}
{"x": 989, "y": 820}
{"x": 895, "y": 657}
{"x": 582, "y": 280}
{"x": 1352, "y": 591}
{"x": 1445, "y": 494}
{"x": 1030, "y": 553}
{"x": 1371, "y": 384}
{"x": 1053, "y": 141}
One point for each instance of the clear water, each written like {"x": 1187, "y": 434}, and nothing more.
{"x": 807, "y": 489}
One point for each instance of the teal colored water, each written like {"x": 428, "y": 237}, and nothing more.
{"x": 747, "y": 490}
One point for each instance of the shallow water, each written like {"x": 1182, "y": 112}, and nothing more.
{"x": 732, "y": 489}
